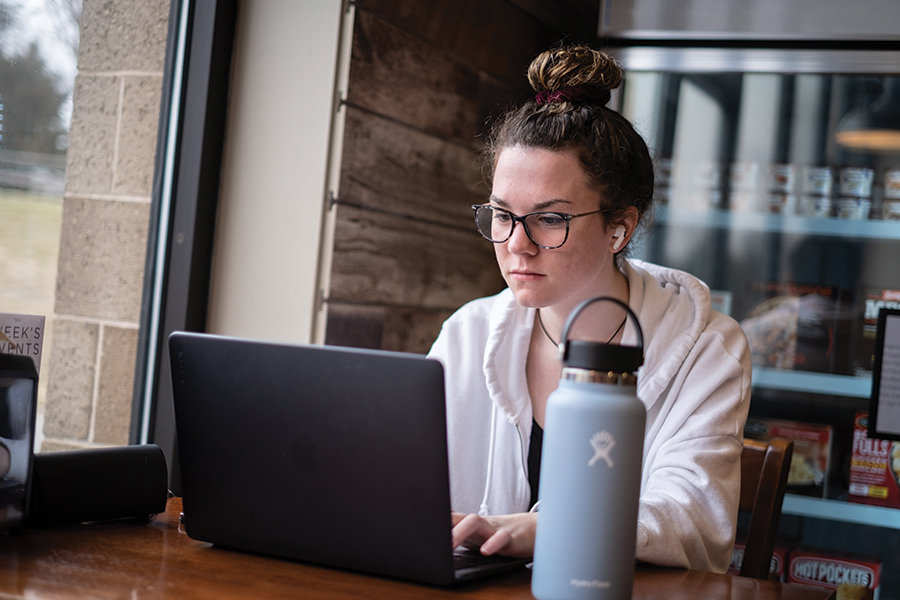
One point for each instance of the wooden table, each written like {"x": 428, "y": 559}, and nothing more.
{"x": 156, "y": 559}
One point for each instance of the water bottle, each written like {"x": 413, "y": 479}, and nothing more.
{"x": 590, "y": 471}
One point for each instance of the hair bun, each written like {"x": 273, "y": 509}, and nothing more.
{"x": 575, "y": 66}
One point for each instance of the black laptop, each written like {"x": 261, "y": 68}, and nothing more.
{"x": 328, "y": 455}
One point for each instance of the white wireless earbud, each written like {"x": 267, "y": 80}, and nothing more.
{"x": 620, "y": 238}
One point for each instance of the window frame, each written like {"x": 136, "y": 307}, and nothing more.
{"x": 184, "y": 201}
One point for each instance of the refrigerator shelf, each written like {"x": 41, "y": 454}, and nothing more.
{"x": 735, "y": 131}
{"x": 765, "y": 222}
{"x": 839, "y": 510}
{"x": 808, "y": 381}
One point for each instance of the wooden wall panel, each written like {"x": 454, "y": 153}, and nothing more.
{"x": 402, "y": 77}
{"x": 495, "y": 97}
{"x": 492, "y": 35}
{"x": 412, "y": 330}
{"x": 407, "y": 79}
{"x": 391, "y": 167}
{"x": 385, "y": 327}
{"x": 425, "y": 78}
{"x": 383, "y": 259}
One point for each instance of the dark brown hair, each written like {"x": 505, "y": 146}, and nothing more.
{"x": 613, "y": 155}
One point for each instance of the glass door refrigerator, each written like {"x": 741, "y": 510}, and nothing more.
{"x": 778, "y": 184}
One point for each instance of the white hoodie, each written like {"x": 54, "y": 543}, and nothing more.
{"x": 695, "y": 383}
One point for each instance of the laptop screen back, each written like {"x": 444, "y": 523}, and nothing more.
{"x": 329, "y": 455}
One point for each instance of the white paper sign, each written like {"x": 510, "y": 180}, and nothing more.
{"x": 889, "y": 388}
{"x": 22, "y": 334}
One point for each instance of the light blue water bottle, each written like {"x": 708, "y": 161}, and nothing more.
{"x": 590, "y": 471}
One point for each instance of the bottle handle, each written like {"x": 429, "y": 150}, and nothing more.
{"x": 563, "y": 343}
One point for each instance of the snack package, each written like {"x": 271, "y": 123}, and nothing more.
{"x": 776, "y": 567}
{"x": 874, "y": 467}
{"x": 801, "y": 327}
{"x": 874, "y": 300}
{"x": 853, "y": 577}
{"x": 811, "y": 459}
{"x": 780, "y": 556}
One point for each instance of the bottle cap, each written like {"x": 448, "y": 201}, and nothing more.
{"x": 597, "y": 356}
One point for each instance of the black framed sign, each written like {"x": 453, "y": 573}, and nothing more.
{"x": 884, "y": 408}
{"x": 18, "y": 409}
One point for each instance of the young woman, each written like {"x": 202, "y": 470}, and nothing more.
{"x": 571, "y": 182}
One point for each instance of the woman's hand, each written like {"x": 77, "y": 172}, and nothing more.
{"x": 509, "y": 535}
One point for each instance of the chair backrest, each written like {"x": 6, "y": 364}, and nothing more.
{"x": 764, "y": 473}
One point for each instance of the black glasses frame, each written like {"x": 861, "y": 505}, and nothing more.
{"x": 517, "y": 219}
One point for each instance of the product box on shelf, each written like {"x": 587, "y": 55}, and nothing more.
{"x": 852, "y": 576}
{"x": 874, "y": 467}
{"x": 777, "y": 566}
{"x": 780, "y": 555}
{"x": 800, "y": 326}
{"x": 874, "y": 300}
{"x": 811, "y": 458}
{"x": 890, "y": 209}
{"x": 696, "y": 185}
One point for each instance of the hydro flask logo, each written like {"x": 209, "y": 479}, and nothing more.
{"x": 603, "y": 443}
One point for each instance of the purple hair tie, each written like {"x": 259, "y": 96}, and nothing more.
{"x": 575, "y": 93}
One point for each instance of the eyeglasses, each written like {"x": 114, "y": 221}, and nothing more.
{"x": 546, "y": 230}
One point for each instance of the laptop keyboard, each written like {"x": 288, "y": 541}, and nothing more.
{"x": 467, "y": 558}
{"x": 463, "y": 559}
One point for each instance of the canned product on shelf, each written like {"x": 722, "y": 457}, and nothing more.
{"x": 707, "y": 173}
{"x": 814, "y": 206}
{"x": 856, "y": 182}
{"x": 707, "y": 198}
{"x": 890, "y": 209}
{"x": 817, "y": 180}
{"x": 854, "y": 208}
{"x": 706, "y": 178}
{"x": 892, "y": 182}
{"x": 743, "y": 175}
{"x": 781, "y": 203}
{"x": 890, "y": 204}
{"x": 745, "y": 201}
{"x": 782, "y": 177}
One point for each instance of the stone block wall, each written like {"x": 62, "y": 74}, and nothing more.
{"x": 106, "y": 211}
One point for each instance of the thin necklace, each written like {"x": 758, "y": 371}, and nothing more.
{"x": 547, "y": 333}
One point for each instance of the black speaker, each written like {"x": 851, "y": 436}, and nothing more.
{"x": 97, "y": 485}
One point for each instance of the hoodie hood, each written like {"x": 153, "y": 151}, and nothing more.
{"x": 674, "y": 308}
{"x": 675, "y": 304}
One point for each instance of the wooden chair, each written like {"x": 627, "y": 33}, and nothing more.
{"x": 764, "y": 473}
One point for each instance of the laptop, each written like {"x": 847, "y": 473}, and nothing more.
{"x": 328, "y": 455}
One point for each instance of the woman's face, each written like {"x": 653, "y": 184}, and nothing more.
{"x": 529, "y": 180}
